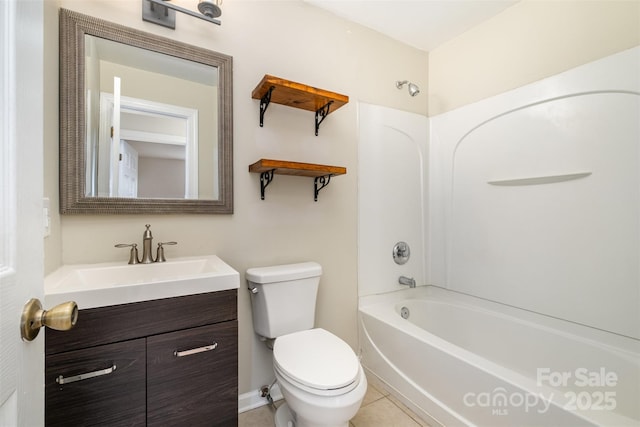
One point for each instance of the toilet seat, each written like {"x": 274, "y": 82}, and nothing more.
{"x": 317, "y": 361}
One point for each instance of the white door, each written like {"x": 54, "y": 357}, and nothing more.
{"x": 128, "y": 170}
{"x": 21, "y": 226}
{"x": 115, "y": 153}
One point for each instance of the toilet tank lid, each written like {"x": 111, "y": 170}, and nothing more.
{"x": 280, "y": 273}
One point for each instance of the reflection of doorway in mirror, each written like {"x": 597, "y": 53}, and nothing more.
{"x": 165, "y": 139}
{"x": 128, "y": 171}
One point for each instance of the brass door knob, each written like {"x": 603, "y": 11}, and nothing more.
{"x": 61, "y": 318}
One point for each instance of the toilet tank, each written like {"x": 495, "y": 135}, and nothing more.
{"x": 283, "y": 297}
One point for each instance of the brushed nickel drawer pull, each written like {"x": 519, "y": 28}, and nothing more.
{"x": 195, "y": 350}
{"x": 62, "y": 380}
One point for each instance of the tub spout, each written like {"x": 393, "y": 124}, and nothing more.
{"x": 407, "y": 281}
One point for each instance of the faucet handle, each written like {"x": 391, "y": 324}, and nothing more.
{"x": 133, "y": 255}
{"x": 160, "y": 253}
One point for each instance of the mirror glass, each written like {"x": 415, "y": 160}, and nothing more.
{"x": 142, "y": 147}
{"x": 145, "y": 122}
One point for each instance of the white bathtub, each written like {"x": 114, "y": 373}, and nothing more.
{"x": 460, "y": 360}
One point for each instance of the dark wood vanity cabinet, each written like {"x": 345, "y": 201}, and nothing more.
{"x": 92, "y": 401}
{"x": 167, "y": 362}
{"x": 198, "y": 389}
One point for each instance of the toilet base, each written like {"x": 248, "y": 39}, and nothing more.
{"x": 284, "y": 417}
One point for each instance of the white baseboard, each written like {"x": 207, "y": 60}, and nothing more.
{"x": 251, "y": 400}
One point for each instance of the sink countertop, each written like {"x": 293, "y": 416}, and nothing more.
{"x": 104, "y": 284}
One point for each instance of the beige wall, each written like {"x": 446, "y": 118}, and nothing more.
{"x": 527, "y": 42}
{"x": 288, "y": 39}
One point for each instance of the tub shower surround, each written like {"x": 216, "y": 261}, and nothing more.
{"x": 532, "y": 246}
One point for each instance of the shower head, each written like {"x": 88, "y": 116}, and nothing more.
{"x": 210, "y": 8}
{"x": 413, "y": 88}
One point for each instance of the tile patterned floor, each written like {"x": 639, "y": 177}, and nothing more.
{"x": 379, "y": 409}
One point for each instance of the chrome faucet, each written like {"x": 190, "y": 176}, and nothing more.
{"x": 147, "y": 256}
{"x": 407, "y": 281}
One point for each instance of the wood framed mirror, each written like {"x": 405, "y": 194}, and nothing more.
{"x": 145, "y": 122}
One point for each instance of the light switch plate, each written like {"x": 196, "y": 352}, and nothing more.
{"x": 46, "y": 216}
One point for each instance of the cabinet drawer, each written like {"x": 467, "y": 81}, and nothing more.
{"x": 104, "y": 385}
{"x": 104, "y": 325}
{"x": 191, "y": 383}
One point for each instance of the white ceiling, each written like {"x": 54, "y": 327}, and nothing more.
{"x": 423, "y": 24}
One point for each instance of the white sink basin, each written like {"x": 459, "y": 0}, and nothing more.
{"x": 99, "y": 285}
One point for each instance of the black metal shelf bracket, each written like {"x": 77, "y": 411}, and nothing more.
{"x": 265, "y": 179}
{"x": 264, "y": 104}
{"x": 323, "y": 181}
{"x": 321, "y": 114}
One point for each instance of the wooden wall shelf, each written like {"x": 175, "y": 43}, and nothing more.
{"x": 322, "y": 174}
{"x": 297, "y": 95}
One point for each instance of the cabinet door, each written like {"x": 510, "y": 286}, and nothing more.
{"x": 103, "y": 385}
{"x": 192, "y": 377}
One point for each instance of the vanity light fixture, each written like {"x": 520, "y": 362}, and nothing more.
{"x": 413, "y": 88}
{"x": 162, "y": 12}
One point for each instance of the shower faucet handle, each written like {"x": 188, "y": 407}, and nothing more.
{"x": 401, "y": 253}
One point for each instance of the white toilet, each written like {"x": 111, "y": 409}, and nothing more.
{"x": 320, "y": 376}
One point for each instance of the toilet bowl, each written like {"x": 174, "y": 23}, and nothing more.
{"x": 320, "y": 378}
{"x": 319, "y": 375}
